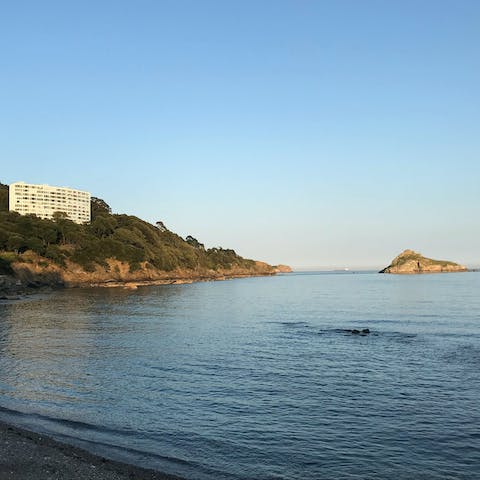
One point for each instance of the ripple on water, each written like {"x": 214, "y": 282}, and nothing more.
{"x": 257, "y": 378}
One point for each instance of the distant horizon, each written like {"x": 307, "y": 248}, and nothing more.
{"x": 353, "y": 269}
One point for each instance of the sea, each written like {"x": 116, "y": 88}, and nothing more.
{"x": 256, "y": 378}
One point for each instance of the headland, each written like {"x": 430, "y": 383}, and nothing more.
{"x": 110, "y": 250}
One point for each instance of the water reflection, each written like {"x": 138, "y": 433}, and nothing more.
{"x": 52, "y": 350}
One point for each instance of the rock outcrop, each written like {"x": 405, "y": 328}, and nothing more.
{"x": 409, "y": 262}
{"x": 34, "y": 271}
{"x": 282, "y": 269}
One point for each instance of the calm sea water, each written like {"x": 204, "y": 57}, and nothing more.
{"x": 256, "y": 378}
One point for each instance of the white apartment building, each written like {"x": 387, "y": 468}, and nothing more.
{"x": 44, "y": 201}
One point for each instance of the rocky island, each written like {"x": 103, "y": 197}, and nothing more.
{"x": 411, "y": 262}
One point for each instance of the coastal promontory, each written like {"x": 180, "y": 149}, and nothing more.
{"x": 110, "y": 250}
{"x": 411, "y": 262}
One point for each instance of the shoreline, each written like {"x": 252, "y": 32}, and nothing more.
{"x": 12, "y": 289}
{"x": 26, "y": 455}
{"x": 133, "y": 284}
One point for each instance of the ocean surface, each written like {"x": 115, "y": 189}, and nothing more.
{"x": 256, "y": 378}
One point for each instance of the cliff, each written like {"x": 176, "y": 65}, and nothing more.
{"x": 410, "y": 262}
{"x": 31, "y": 270}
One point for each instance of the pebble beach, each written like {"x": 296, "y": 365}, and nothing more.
{"x": 25, "y": 455}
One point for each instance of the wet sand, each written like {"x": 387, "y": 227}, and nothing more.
{"x": 26, "y": 455}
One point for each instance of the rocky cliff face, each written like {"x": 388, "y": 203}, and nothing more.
{"x": 35, "y": 271}
{"x": 409, "y": 262}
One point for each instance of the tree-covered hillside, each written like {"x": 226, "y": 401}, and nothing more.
{"x": 3, "y": 198}
{"x": 121, "y": 237}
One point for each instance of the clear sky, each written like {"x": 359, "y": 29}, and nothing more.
{"x": 312, "y": 133}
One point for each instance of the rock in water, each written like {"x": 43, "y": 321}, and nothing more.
{"x": 413, "y": 262}
{"x": 362, "y": 332}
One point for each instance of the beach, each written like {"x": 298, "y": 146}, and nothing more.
{"x": 26, "y": 455}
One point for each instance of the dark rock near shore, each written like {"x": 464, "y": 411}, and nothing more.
{"x": 12, "y": 288}
{"x": 9, "y": 286}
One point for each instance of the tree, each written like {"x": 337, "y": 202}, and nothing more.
{"x": 65, "y": 227}
{"x": 161, "y": 226}
{"x": 194, "y": 242}
{"x": 103, "y": 225}
{"x": 99, "y": 207}
{"x": 16, "y": 243}
{"x": 4, "y": 197}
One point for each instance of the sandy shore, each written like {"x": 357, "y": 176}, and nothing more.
{"x": 26, "y": 455}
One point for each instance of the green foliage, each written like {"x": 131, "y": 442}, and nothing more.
{"x": 55, "y": 253}
{"x": 226, "y": 258}
{"x": 122, "y": 237}
{"x": 6, "y": 260}
{"x": 99, "y": 207}
{"x": 17, "y": 243}
{"x": 3, "y": 198}
{"x": 194, "y": 242}
{"x": 103, "y": 225}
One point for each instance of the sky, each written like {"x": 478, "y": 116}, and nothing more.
{"x": 310, "y": 133}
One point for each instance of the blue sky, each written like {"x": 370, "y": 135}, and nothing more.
{"x": 311, "y": 133}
